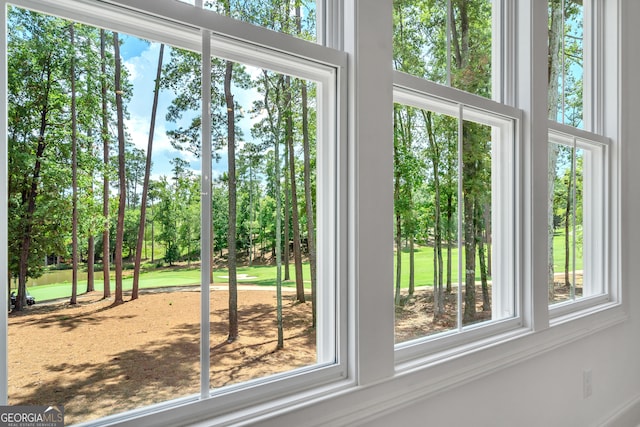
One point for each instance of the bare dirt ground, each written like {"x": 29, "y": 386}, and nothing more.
{"x": 97, "y": 359}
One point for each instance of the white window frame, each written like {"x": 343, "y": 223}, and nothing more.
{"x": 506, "y": 303}
{"x": 377, "y": 383}
{"x": 596, "y": 207}
{"x": 600, "y": 94}
{"x": 185, "y": 26}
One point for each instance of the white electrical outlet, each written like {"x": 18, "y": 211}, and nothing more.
{"x": 587, "y": 383}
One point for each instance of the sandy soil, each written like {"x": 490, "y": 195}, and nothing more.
{"x": 98, "y": 359}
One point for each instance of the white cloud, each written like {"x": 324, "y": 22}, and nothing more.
{"x": 142, "y": 70}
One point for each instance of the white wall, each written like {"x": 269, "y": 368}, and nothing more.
{"x": 546, "y": 390}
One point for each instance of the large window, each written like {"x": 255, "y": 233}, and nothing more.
{"x": 578, "y": 193}
{"x": 172, "y": 212}
{"x": 347, "y": 204}
{"x": 454, "y": 183}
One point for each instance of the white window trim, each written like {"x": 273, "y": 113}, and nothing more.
{"x": 261, "y": 48}
{"x": 426, "y": 95}
{"x": 373, "y": 386}
{"x": 595, "y": 209}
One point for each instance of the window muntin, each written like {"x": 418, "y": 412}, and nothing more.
{"x": 577, "y": 219}
{"x": 446, "y": 42}
{"x": 443, "y": 135}
{"x": 322, "y": 83}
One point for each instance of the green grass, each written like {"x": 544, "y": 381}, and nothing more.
{"x": 423, "y": 264}
{"x": 179, "y": 276}
{"x": 559, "y": 252}
{"x": 423, "y": 258}
{"x": 266, "y": 275}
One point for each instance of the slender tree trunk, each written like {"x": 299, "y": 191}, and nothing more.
{"x": 482, "y": 259}
{"x": 555, "y": 69}
{"x": 106, "y": 250}
{"x": 287, "y": 218}
{"x": 91, "y": 255}
{"x": 438, "y": 300}
{"x": 297, "y": 255}
{"x": 412, "y": 265}
{"x": 147, "y": 173}
{"x": 152, "y": 236}
{"x": 74, "y": 174}
{"x": 567, "y": 230}
{"x": 231, "y": 238}
{"x": 398, "y": 217}
{"x": 122, "y": 201}
{"x": 278, "y": 255}
{"x": 398, "y": 257}
{"x": 470, "y": 261}
{"x": 251, "y": 251}
{"x": 311, "y": 232}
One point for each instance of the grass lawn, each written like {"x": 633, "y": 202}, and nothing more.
{"x": 156, "y": 278}
{"x": 266, "y": 275}
{"x": 423, "y": 258}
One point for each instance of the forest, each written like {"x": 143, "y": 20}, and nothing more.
{"x": 443, "y": 168}
{"x": 84, "y": 193}
{"x": 105, "y": 182}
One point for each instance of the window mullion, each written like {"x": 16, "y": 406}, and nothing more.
{"x": 531, "y": 96}
{"x": 461, "y": 276}
{"x": 205, "y": 218}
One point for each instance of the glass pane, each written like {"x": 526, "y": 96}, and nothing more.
{"x": 451, "y": 47}
{"x": 476, "y": 222}
{"x": 566, "y": 61}
{"x": 107, "y": 351}
{"x": 453, "y": 268}
{"x": 262, "y": 317}
{"x": 566, "y": 272}
{"x": 426, "y": 217}
{"x": 297, "y": 18}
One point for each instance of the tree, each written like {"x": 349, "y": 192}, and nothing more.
{"x": 106, "y": 253}
{"x": 147, "y": 173}
{"x": 74, "y": 169}
{"x": 231, "y": 153}
{"x": 306, "y": 148}
{"x": 297, "y": 255}
{"x": 434, "y": 154}
{"x": 37, "y": 72}
{"x": 564, "y": 101}
{"x": 122, "y": 199}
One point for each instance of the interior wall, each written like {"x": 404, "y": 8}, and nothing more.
{"x": 547, "y": 390}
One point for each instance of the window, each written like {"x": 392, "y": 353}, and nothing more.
{"x": 455, "y": 215}
{"x": 567, "y": 26}
{"x": 477, "y": 161}
{"x": 240, "y": 270}
{"x": 578, "y": 193}
{"x": 579, "y": 201}
{"x": 454, "y": 178}
{"x": 446, "y": 42}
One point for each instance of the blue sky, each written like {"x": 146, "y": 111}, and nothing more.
{"x": 141, "y": 60}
